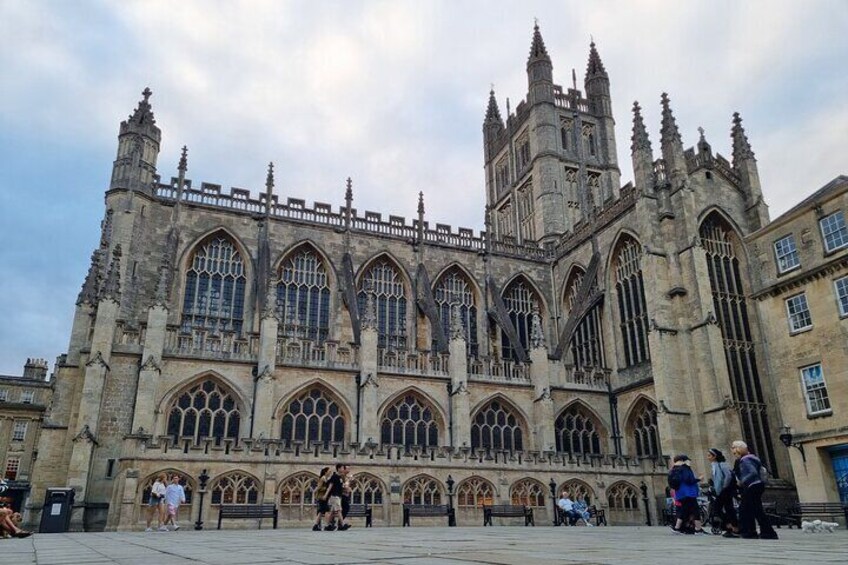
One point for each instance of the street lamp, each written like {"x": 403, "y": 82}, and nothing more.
{"x": 786, "y": 438}
{"x": 450, "y": 483}
{"x": 202, "y": 480}
{"x": 644, "y": 488}
{"x": 552, "y": 485}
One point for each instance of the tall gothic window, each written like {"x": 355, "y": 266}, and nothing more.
{"x": 235, "y": 488}
{"x": 519, "y": 299}
{"x": 496, "y": 426}
{"x": 577, "y": 431}
{"x": 422, "y": 489}
{"x": 214, "y": 287}
{"x": 579, "y": 491}
{"x": 303, "y": 296}
{"x": 731, "y": 309}
{"x": 528, "y": 492}
{"x": 633, "y": 314}
{"x": 643, "y": 427}
{"x": 587, "y": 345}
{"x": 410, "y": 421}
{"x": 384, "y": 280}
{"x": 297, "y": 495}
{"x": 454, "y": 291}
{"x": 204, "y": 410}
{"x": 622, "y": 496}
{"x": 313, "y": 417}
{"x": 366, "y": 489}
{"x": 475, "y": 492}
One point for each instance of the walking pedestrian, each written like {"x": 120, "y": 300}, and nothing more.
{"x": 156, "y": 504}
{"x": 174, "y": 496}
{"x": 685, "y": 484}
{"x": 346, "y": 494}
{"x": 322, "y": 509}
{"x": 335, "y": 485}
{"x": 748, "y": 470}
{"x": 725, "y": 488}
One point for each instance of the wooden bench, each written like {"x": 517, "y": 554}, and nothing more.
{"x": 428, "y": 510}
{"x": 817, "y": 510}
{"x": 360, "y": 511}
{"x": 247, "y": 511}
{"x": 507, "y": 511}
{"x": 599, "y": 516}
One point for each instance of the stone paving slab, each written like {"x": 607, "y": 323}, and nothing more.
{"x": 422, "y": 546}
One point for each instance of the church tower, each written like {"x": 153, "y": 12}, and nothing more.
{"x": 553, "y": 163}
{"x": 138, "y": 149}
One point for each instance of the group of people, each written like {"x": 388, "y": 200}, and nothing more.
{"x": 573, "y": 510}
{"x": 166, "y": 495}
{"x": 332, "y": 498}
{"x": 10, "y": 521}
{"x": 745, "y": 481}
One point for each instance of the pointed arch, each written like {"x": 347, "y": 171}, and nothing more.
{"x": 411, "y": 418}
{"x": 296, "y": 495}
{"x": 622, "y": 234}
{"x": 521, "y": 296}
{"x": 391, "y": 287}
{"x": 455, "y": 289}
{"x": 625, "y": 272}
{"x": 423, "y": 489}
{"x": 642, "y": 428}
{"x": 305, "y": 279}
{"x": 586, "y": 347}
{"x": 579, "y": 490}
{"x": 186, "y": 480}
{"x": 572, "y": 280}
{"x": 366, "y": 488}
{"x": 622, "y": 496}
{"x": 717, "y": 213}
{"x": 216, "y": 269}
{"x": 311, "y": 245}
{"x": 497, "y": 423}
{"x": 579, "y": 430}
{"x": 205, "y": 407}
{"x": 528, "y": 492}
{"x": 475, "y": 492}
{"x": 313, "y": 414}
{"x": 476, "y": 289}
{"x": 236, "y": 487}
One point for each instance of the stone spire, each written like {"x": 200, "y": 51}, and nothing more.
{"x": 143, "y": 114}
{"x": 537, "y": 336}
{"x": 595, "y": 67}
{"x": 538, "y": 52}
{"x": 669, "y": 134}
{"x": 640, "y": 140}
{"x": 269, "y": 188}
{"x": 741, "y": 148}
{"x": 112, "y": 286}
{"x": 421, "y": 204}
{"x": 183, "y": 166}
{"x": 493, "y": 113}
{"x": 540, "y": 72}
{"x": 88, "y": 294}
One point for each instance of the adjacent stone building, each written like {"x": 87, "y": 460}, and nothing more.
{"x": 802, "y": 298}
{"x": 23, "y": 402}
{"x": 589, "y": 332}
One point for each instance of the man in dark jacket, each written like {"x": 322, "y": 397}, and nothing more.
{"x": 685, "y": 484}
{"x": 747, "y": 472}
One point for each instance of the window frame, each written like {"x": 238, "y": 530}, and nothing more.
{"x": 793, "y": 330}
{"x": 27, "y": 397}
{"x": 778, "y": 256}
{"x": 843, "y": 312}
{"x": 4, "y": 395}
{"x": 17, "y": 470}
{"x": 844, "y": 228}
{"x": 19, "y": 430}
{"x": 806, "y": 390}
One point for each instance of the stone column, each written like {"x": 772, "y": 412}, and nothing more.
{"x": 263, "y": 414}
{"x": 540, "y": 376}
{"x": 369, "y": 425}
{"x": 126, "y": 519}
{"x": 458, "y": 369}
{"x": 148, "y": 376}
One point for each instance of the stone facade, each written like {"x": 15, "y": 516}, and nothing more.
{"x": 578, "y": 340}
{"x": 23, "y": 402}
{"x": 802, "y": 297}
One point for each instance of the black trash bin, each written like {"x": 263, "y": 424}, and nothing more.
{"x": 56, "y": 514}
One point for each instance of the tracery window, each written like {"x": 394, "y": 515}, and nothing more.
{"x": 313, "y": 417}
{"x": 214, "y": 287}
{"x": 385, "y": 282}
{"x": 731, "y": 310}
{"x": 475, "y": 492}
{"x": 622, "y": 496}
{"x": 587, "y": 345}
{"x": 579, "y": 491}
{"x": 235, "y": 488}
{"x": 633, "y": 313}
{"x": 496, "y": 426}
{"x": 303, "y": 296}
{"x": 565, "y": 133}
{"x": 577, "y": 431}
{"x": 644, "y": 429}
{"x": 454, "y": 291}
{"x": 528, "y": 492}
{"x": 366, "y": 489}
{"x": 422, "y": 490}
{"x": 506, "y": 220}
{"x": 525, "y": 212}
{"x": 297, "y": 492}
{"x": 520, "y": 300}
{"x": 410, "y": 421}
{"x": 204, "y": 410}
{"x": 147, "y": 486}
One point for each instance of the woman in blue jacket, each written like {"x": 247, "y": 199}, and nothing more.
{"x": 685, "y": 484}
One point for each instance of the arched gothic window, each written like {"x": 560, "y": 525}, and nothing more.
{"x": 475, "y": 492}
{"x": 303, "y": 296}
{"x": 410, "y": 421}
{"x": 297, "y": 494}
{"x": 214, "y": 287}
{"x": 313, "y": 417}
{"x": 386, "y": 283}
{"x": 632, "y": 311}
{"x": 587, "y": 344}
{"x": 235, "y": 488}
{"x": 204, "y": 410}
{"x": 730, "y": 305}
{"x": 579, "y": 491}
{"x": 454, "y": 291}
{"x": 644, "y": 429}
{"x": 577, "y": 431}
{"x": 422, "y": 490}
{"x": 520, "y": 299}
{"x": 622, "y": 496}
{"x": 528, "y": 492}
{"x": 147, "y": 486}
{"x": 366, "y": 489}
{"x": 496, "y": 426}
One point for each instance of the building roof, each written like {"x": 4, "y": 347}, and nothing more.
{"x": 831, "y": 189}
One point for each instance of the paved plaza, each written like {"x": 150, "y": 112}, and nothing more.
{"x": 422, "y": 546}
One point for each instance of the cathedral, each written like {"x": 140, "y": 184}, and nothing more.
{"x": 591, "y": 331}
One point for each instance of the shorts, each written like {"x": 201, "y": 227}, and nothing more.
{"x": 154, "y": 502}
{"x": 689, "y": 508}
{"x": 323, "y": 507}
{"x": 172, "y": 509}
{"x": 345, "y": 506}
{"x": 335, "y": 504}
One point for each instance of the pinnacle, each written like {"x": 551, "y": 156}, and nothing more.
{"x": 741, "y": 147}
{"x": 640, "y": 134}
{"x": 269, "y": 178}
{"x": 493, "y": 113}
{"x": 537, "y": 48}
{"x": 669, "y": 132}
{"x": 112, "y": 286}
{"x": 349, "y": 190}
{"x": 183, "y": 166}
{"x": 143, "y": 114}
{"x": 421, "y": 203}
{"x": 595, "y": 67}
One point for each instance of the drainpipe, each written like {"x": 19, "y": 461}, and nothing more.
{"x": 255, "y": 373}
{"x": 616, "y": 431}
{"x": 358, "y": 402}
{"x": 450, "y": 413}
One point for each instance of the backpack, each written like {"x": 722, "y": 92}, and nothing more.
{"x": 674, "y": 479}
{"x": 764, "y": 474}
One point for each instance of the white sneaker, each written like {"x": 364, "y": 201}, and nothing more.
{"x": 163, "y": 529}
{"x": 149, "y": 530}
{"x": 590, "y": 525}
{"x": 176, "y": 527}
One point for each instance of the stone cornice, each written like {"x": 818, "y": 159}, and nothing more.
{"x": 802, "y": 278}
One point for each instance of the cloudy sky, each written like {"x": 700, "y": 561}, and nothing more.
{"x": 389, "y": 93}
